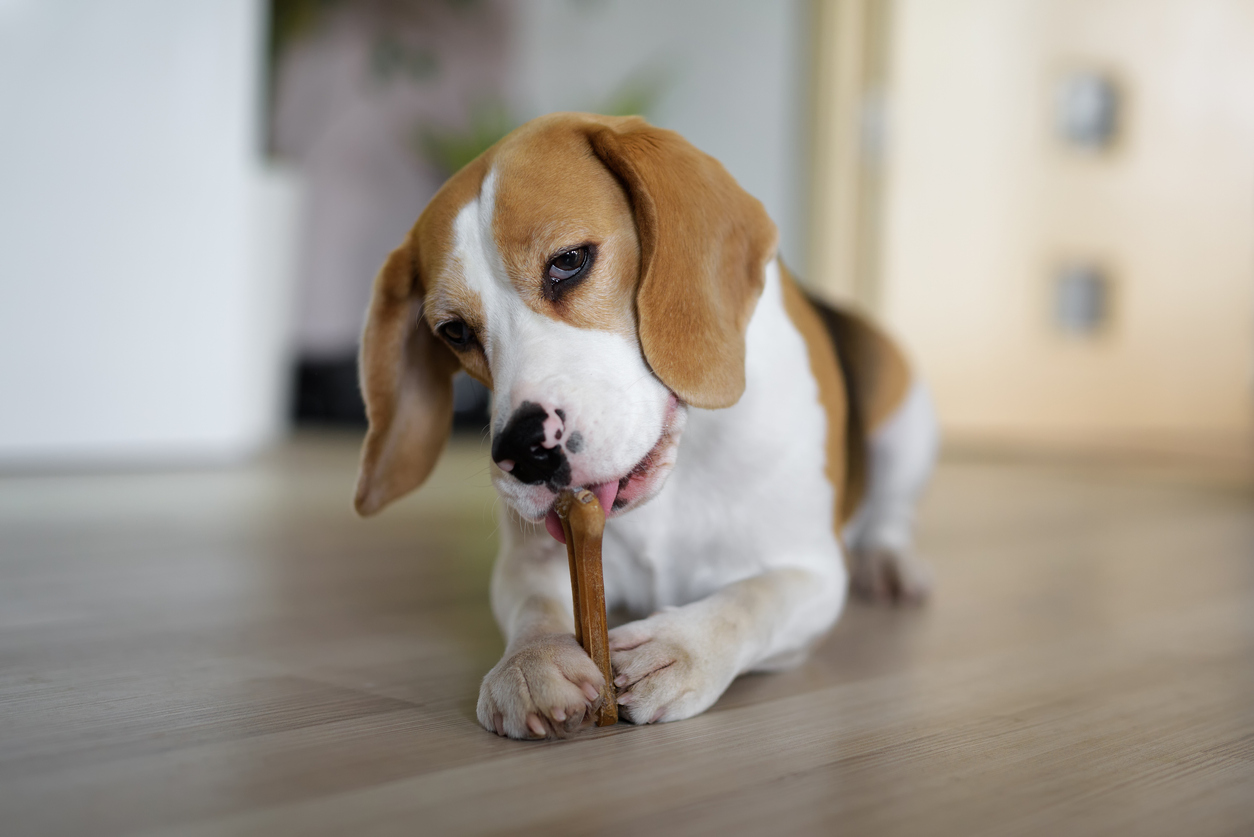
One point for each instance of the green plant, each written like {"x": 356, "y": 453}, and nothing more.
{"x": 490, "y": 120}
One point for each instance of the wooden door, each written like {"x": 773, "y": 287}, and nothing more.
{"x": 985, "y": 205}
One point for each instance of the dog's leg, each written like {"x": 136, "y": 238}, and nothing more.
{"x": 883, "y": 565}
{"x": 545, "y": 684}
{"x": 677, "y": 662}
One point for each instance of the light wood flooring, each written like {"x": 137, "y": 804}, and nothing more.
{"x": 230, "y": 651}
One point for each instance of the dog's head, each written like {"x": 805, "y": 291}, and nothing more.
{"x": 598, "y": 275}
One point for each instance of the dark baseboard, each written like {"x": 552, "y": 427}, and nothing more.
{"x": 327, "y": 393}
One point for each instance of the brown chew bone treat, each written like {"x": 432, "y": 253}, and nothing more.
{"x": 583, "y": 522}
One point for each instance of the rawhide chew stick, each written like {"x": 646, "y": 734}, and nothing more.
{"x": 583, "y": 523}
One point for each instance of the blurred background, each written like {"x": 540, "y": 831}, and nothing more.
{"x": 1050, "y": 202}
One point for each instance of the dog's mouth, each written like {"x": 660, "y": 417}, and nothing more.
{"x": 617, "y": 496}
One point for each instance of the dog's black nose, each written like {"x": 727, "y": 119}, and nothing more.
{"x": 520, "y": 448}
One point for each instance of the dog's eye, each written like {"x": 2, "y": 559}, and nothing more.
{"x": 457, "y": 333}
{"x": 565, "y": 265}
{"x": 567, "y": 269}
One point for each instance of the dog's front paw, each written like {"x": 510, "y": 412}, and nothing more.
{"x": 889, "y": 575}
{"x": 664, "y": 670}
{"x": 546, "y": 689}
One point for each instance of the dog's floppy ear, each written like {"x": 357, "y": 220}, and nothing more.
{"x": 407, "y": 382}
{"x": 704, "y": 245}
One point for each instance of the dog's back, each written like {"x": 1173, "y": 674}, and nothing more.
{"x": 876, "y": 380}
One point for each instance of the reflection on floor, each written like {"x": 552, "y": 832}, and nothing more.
{"x": 231, "y": 651}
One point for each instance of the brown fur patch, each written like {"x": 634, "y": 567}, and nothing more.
{"x": 878, "y": 373}
{"x": 553, "y": 195}
{"x": 862, "y": 378}
{"x": 832, "y": 396}
{"x": 406, "y": 380}
{"x": 704, "y": 246}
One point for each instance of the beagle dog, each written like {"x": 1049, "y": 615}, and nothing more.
{"x": 620, "y": 295}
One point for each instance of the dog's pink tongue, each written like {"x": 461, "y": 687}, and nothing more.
{"x": 606, "y": 492}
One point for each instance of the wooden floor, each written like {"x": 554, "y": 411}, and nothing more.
{"x": 232, "y": 652}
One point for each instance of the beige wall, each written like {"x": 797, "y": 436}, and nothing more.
{"x": 983, "y": 203}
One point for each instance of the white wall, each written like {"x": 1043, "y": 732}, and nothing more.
{"x": 141, "y": 244}
{"x": 739, "y": 80}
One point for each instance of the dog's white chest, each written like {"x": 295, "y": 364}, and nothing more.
{"x": 745, "y": 494}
